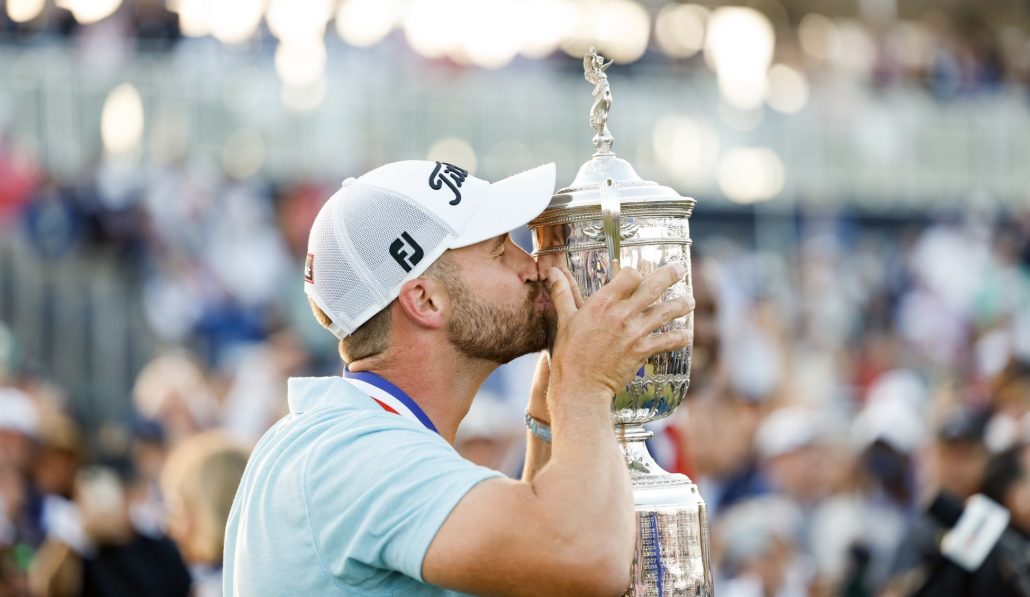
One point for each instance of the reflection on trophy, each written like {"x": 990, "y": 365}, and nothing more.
{"x": 609, "y": 216}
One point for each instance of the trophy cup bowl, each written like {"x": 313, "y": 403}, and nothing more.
{"x": 650, "y": 236}
{"x": 606, "y": 219}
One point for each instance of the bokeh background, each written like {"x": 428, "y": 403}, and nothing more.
{"x": 862, "y": 244}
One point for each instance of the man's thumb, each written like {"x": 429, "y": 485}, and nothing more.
{"x": 561, "y": 294}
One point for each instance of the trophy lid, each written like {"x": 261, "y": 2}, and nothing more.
{"x": 585, "y": 190}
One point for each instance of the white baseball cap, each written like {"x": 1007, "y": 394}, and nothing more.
{"x": 386, "y": 227}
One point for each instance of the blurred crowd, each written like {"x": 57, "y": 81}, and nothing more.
{"x": 952, "y": 50}
{"x": 143, "y": 515}
{"x": 837, "y": 390}
{"x": 841, "y": 391}
{"x": 137, "y": 506}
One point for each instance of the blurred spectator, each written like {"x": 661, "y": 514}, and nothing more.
{"x": 199, "y": 482}
{"x": 173, "y": 391}
{"x": 855, "y": 531}
{"x": 99, "y": 552}
{"x": 958, "y": 459}
{"x": 491, "y": 435}
{"x": 1007, "y": 482}
{"x": 792, "y": 447}
{"x": 758, "y": 543}
{"x": 20, "y": 517}
{"x": 1006, "y": 572}
{"x": 958, "y": 454}
{"x": 147, "y": 453}
{"x": 710, "y": 438}
{"x": 253, "y": 396}
{"x": 1010, "y": 399}
{"x": 19, "y": 427}
{"x": 720, "y": 435}
{"x": 60, "y": 453}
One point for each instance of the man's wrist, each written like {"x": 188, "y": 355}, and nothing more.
{"x": 564, "y": 380}
{"x": 586, "y": 394}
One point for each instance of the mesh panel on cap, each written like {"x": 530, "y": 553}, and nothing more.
{"x": 386, "y": 230}
{"x": 344, "y": 293}
{"x": 365, "y": 243}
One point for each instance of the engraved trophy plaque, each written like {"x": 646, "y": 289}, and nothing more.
{"x": 609, "y": 216}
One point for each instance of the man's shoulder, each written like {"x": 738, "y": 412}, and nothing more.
{"x": 306, "y": 394}
{"x": 356, "y": 492}
{"x": 329, "y": 416}
{"x": 343, "y": 421}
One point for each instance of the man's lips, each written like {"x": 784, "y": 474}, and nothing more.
{"x": 543, "y": 300}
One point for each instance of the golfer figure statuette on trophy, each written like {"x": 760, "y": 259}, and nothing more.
{"x": 609, "y": 216}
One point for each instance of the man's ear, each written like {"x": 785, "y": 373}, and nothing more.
{"x": 424, "y": 301}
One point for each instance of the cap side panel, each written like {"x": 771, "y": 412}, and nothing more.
{"x": 340, "y": 287}
{"x": 393, "y": 240}
{"x": 322, "y": 251}
{"x": 364, "y": 316}
{"x": 377, "y": 300}
{"x": 391, "y": 234}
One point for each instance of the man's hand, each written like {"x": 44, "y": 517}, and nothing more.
{"x": 549, "y": 536}
{"x": 603, "y": 343}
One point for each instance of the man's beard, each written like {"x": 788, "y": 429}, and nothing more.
{"x": 493, "y": 332}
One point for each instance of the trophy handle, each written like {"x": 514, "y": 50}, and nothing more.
{"x": 611, "y": 216}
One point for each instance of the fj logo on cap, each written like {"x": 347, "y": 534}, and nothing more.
{"x": 309, "y": 268}
{"x": 450, "y": 175}
{"x": 399, "y": 251}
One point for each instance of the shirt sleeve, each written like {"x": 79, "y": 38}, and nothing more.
{"x": 377, "y": 492}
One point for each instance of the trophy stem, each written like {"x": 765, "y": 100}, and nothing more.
{"x": 632, "y": 432}
{"x": 673, "y": 556}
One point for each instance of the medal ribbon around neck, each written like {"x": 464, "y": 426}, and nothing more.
{"x": 389, "y": 397}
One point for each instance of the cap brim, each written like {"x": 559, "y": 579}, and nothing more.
{"x": 508, "y": 204}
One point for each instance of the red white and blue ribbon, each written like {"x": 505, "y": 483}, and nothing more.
{"x": 389, "y": 397}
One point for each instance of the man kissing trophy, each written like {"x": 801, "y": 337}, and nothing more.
{"x": 609, "y": 217}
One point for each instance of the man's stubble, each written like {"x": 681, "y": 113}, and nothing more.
{"x": 497, "y": 333}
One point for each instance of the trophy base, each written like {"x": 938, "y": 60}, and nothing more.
{"x": 672, "y": 556}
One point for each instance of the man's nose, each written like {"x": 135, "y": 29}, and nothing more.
{"x": 527, "y": 267}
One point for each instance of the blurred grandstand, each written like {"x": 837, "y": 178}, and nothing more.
{"x": 863, "y": 226}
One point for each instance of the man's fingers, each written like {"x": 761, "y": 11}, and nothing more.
{"x": 624, "y": 283}
{"x": 667, "y": 341}
{"x": 651, "y": 288}
{"x": 575, "y": 288}
{"x": 542, "y": 375}
{"x": 561, "y": 294}
{"x": 661, "y": 314}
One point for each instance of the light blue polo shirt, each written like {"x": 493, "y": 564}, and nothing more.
{"x": 341, "y": 497}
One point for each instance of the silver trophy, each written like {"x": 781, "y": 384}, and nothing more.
{"x": 609, "y": 216}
